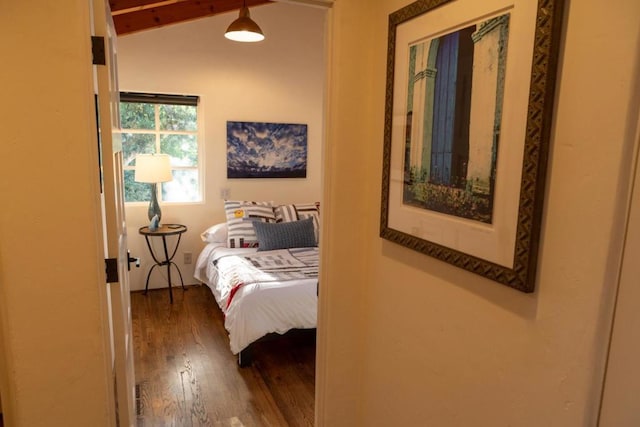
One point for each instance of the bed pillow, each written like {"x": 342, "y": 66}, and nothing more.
{"x": 216, "y": 233}
{"x": 240, "y": 217}
{"x": 285, "y": 235}
{"x": 298, "y": 211}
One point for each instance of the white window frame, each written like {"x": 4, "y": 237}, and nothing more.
{"x": 164, "y": 99}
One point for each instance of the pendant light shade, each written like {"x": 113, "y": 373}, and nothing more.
{"x": 244, "y": 29}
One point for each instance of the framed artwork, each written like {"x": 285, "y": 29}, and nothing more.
{"x": 266, "y": 150}
{"x": 468, "y": 113}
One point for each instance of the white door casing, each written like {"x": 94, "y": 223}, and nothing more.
{"x": 115, "y": 231}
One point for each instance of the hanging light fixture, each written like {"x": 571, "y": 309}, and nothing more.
{"x": 244, "y": 29}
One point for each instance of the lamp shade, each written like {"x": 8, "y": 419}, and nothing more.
{"x": 153, "y": 168}
{"x": 244, "y": 29}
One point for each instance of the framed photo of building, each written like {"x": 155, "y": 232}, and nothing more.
{"x": 468, "y": 114}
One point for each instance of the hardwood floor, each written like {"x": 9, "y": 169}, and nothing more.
{"x": 187, "y": 376}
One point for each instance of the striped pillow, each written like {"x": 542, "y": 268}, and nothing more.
{"x": 240, "y": 218}
{"x": 298, "y": 211}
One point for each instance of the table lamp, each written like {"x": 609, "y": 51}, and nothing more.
{"x": 153, "y": 168}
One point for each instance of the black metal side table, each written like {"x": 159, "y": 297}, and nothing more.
{"x": 164, "y": 231}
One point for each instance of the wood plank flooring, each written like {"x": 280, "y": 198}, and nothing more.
{"x": 186, "y": 375}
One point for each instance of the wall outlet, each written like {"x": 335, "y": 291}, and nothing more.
{"x": 225, "y": 193}
{"x": 188, "y": 257}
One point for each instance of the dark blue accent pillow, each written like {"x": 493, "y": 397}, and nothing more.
{"x": 285, "y": 235}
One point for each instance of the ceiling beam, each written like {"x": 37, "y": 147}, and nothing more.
{"x": 138, "y": 7}
{"x": 130, "y": 16}
{"x": 316, "y": 3}
{"x": 120, "y": 5}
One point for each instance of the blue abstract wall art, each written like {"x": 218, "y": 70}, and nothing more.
{"x": 266, "y": 150}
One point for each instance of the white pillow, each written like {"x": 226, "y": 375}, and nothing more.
{"x": 216, "y": 233}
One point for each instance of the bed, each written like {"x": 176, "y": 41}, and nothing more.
{"x": 266, "y": 281}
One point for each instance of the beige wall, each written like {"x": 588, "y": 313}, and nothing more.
{"x": 409, "y": 340}
{"x": 406, "y": 339}
{"x": 53, "y": 369}
{"x": 278, "y": 80}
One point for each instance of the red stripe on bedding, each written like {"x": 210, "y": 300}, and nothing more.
{"x": 232, "y": 293}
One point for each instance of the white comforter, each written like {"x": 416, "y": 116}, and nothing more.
{"x": 264, "y": 303}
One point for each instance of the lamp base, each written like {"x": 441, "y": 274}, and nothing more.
{"x": 154, "y": 224}
{"x": 154, "y": 207}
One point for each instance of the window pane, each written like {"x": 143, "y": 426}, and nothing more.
{"x": 135, "y": 115}
{"x": 134, "y": 144}
{"x": 165, "y": 128}
{"x": 183, "y": 149}
{"x": 178, "y": 117}
{"x": 183, "y": 188}
{"x": 135, "y": 191}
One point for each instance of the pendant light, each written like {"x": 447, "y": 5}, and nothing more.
{"x": 244, "y": 29}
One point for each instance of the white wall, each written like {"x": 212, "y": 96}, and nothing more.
{"x": 408, "y": 340}
{"x": 278, "y": 80}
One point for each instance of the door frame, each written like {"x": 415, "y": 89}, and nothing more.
{"x": 621, "y": 385}
{"x": 118, "y": 303}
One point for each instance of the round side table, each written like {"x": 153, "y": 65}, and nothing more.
{"x": 164, "y": 231}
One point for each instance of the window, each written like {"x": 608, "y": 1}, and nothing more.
{"x": 165, "y": 124}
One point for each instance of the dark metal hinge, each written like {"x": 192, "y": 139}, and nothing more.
{"x": 98, "y": 50}
{"x": 112, "y": 269}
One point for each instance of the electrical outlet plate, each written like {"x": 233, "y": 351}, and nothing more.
{"x": 187, "y": 257}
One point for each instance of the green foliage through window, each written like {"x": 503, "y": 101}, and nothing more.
{"x": 161, "y": 128}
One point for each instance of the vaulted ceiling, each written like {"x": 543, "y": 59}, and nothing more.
{"x": 130, "y": 16}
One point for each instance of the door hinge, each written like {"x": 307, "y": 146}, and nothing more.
{"x": 98, "y": 50}
{"x": 112, "y": 269}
